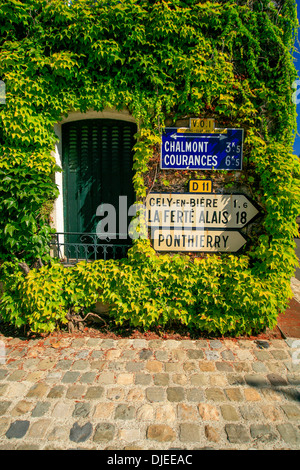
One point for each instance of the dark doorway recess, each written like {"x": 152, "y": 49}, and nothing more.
{"x": 97, "y": 169}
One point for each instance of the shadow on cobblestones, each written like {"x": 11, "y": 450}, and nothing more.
{"x": 293, "y": 395}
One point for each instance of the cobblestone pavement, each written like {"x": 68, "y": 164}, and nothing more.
{"x": 91, "y": 393}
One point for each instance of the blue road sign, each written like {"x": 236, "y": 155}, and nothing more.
{"x": 191, "y": 151}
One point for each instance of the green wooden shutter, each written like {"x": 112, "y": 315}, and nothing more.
{"x": 97, "y": 168}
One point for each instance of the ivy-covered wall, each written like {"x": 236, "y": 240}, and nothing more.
{"x": 165, "y": 62}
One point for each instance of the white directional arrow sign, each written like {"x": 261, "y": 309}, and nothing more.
{"x": 198, "y": 240}
{"x": 226, "y": 211}
{"x": 218, "y": 150}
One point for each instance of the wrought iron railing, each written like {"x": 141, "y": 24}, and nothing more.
{"x": 72, "y": 247}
